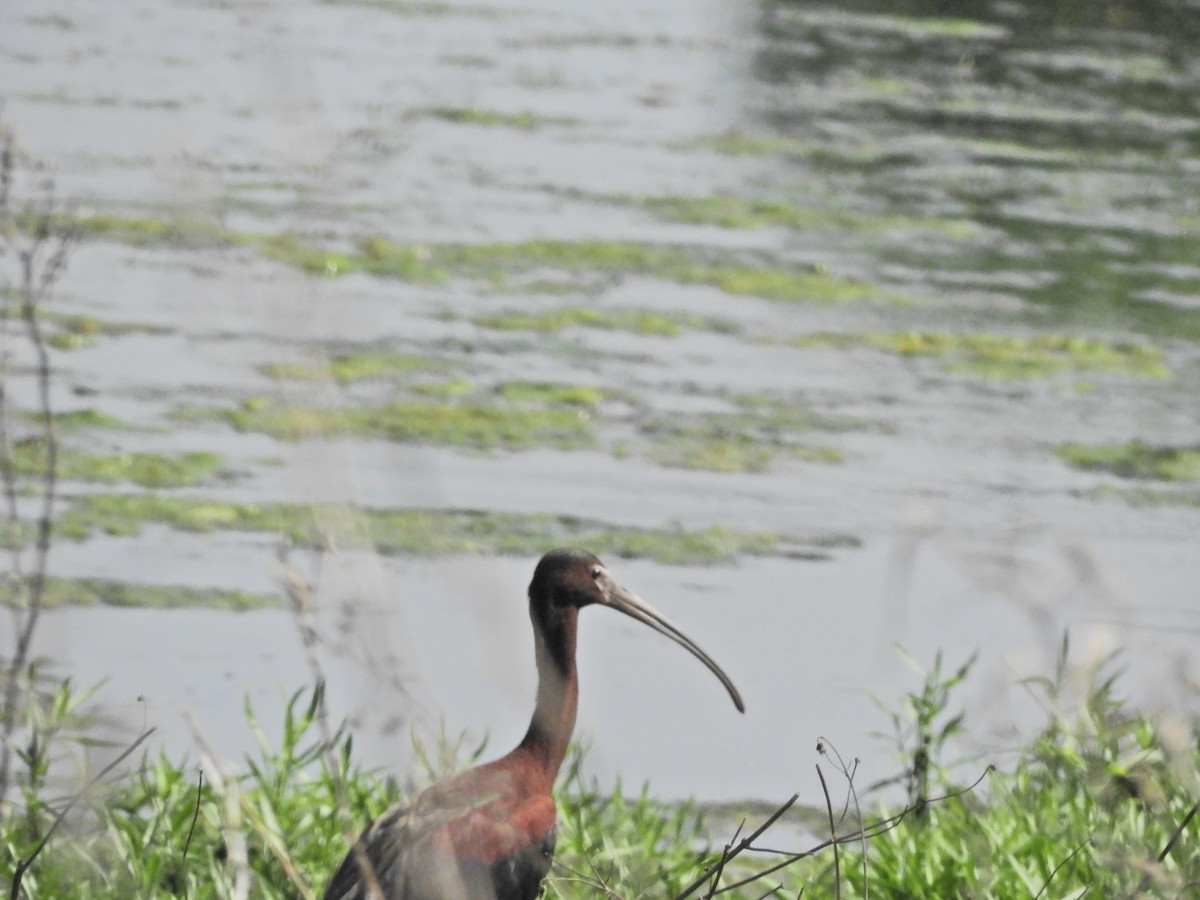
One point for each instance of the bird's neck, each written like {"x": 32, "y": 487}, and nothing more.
{"x": 558, "y": 693}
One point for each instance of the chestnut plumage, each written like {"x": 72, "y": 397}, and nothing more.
{"x": 488, "y": 833}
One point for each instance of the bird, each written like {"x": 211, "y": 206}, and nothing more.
{"x": 489, "y": 832}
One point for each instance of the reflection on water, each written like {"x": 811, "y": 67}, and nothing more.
{"x": 816, "y": 269}
{"x": 1067, "y": 131}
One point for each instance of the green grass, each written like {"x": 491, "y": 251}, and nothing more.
{"x": 105, "y": 592}
{"x": 763, "y": 429}
{"x": 346, "y": 368}
{"x": 837, "y": 158}
{"x": 1145, "y": 497}
{"x": 740, "y": 212}
{"x": 1009, "y": 358}
{"x": 1135, "y": 460}
{"x": 292, "y": 805}
{"x": 513, "y": 415}
{"x": 455, "y": 387}
{"x": 776, "y": 283}
{"x": 886, "y": 87}
{"x": 400, "y": 7}
{"x": 475, "y": 116}
{"x": 727, "y": 443}
{"x": 435, "y": 263}
{"x": 740, "y": 454}
{"x": 427, "y": 533}
{"x": 519, "y": 415}
{"x": 462, "y": 424}
{"x": 913, "y": 27}
{"x": 1086, "y": 805}
{"x": 496, "y": 263}
{"x": 546, "y": 393}
{"x": 147, "y": 231}
{"x": 72, "y": 332}
{"x": 738, "y": 143}
{"x": 149, "y": 470}
{"x": 636, "y": 321}
{"x": 81, "y": 420}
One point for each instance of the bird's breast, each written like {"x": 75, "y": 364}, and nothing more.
{"x": 502, "y": 829}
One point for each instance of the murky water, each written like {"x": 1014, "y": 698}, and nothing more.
{"x": 1026, "y": 169}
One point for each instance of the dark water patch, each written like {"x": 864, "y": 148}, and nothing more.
{"x": 741, "y": 212}
{"x": 1135, "y": 459}
{"x": 844, "y": 156}
{"x": 559, "y": 286}
{"x": 61, "y": 98}
{"x": 1097, "y": 277}
{"x": 1069, "y": 142}
{"x": 1055, "y": 125}
{"x": 613, "y": 40}
{"x": 1018, "y": 49}
{"x": 55, "y": 21}
{"x": 402, "y": 7}
{"x": 473, "y": 115}
{"x": 1150, "y": 498}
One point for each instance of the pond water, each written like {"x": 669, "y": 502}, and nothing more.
{"x": 888, "y": 263}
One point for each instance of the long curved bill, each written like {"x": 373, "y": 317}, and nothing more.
{"x": 626, "y": 601}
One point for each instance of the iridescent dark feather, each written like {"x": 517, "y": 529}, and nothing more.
{"x": 487, "y": 834}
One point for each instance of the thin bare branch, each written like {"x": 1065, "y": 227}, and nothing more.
{"x": 825, "y": 747}
{"x": 741, "y": 846}
{"x": 42, "y": 258}
{"x": 1166, "y": 850}
{"x": 724, "y": 857}
{"x": 195, "y": 814}
{"x": 226, "y": 788}
{"x": 837, "y": 858}
{"x": 1070, "y": 856}
{"x": 870, "y": 831}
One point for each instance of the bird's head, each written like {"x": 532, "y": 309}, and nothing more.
{"x": 570, "y": 579}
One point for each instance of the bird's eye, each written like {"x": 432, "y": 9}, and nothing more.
{"x": 597, "y": 572}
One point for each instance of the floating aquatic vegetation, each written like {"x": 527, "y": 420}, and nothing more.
{"x": 1008, "y": 357}
{"x": 433, "y": 532}
{"x": 1135, "y": 459}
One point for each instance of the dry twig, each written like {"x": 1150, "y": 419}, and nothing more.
{"x": 40, "y": 243}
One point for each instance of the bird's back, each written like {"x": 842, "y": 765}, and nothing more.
{"x": 487, "y": 834}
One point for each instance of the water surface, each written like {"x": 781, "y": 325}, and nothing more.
{"x": 1021, "y": 170}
